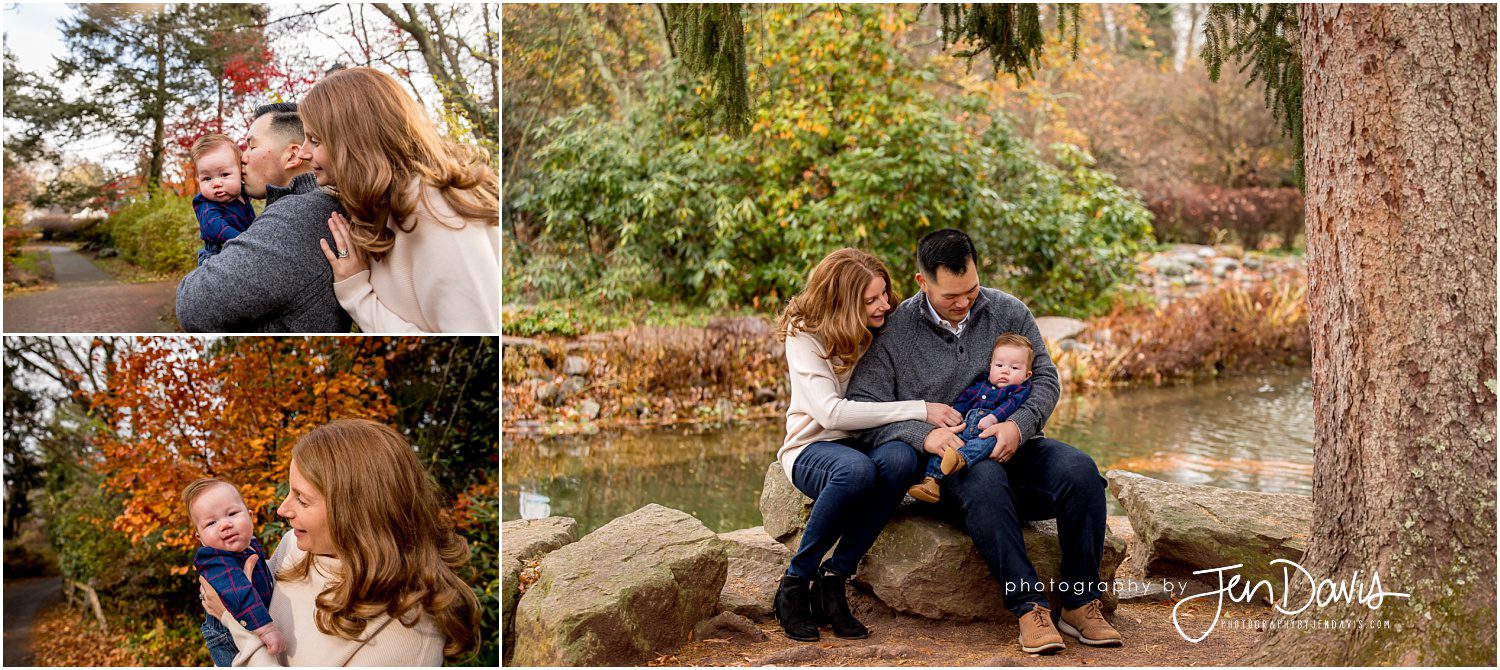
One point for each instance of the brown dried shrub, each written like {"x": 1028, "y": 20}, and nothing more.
{"x": 1228, "y": 329}
{"x": 1204, "y": 214}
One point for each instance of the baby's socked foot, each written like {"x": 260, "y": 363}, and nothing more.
{"x": 952, "y": 461}
{"x": 927, "y": 491}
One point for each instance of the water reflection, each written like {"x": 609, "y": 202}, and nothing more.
{"x": 1249, "y": 433}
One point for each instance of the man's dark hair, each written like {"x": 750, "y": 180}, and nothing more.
{"x": 285, "y": 121}
{"x": 948, "y": 248}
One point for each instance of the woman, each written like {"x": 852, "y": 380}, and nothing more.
{"x": 855, "y": 489}
{"x": 368, "y": 575}
{"x": 423, "y": 209}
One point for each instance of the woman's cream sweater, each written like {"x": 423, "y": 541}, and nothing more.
{"x": 293, "y": 607}
{"x": 442, "y": 277}
{"x": 818, "y": 411}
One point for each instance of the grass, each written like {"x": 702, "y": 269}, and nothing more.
{"x": 28, "y": 270}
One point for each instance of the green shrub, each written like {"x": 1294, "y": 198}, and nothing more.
{"x": 159, "y": 234}
{"x": 483, "y": 533}
{"x": 847, "y": 149}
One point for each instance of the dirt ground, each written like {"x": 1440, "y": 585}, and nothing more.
{"x": 1150, "y": 639}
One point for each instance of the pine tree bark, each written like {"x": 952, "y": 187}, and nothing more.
{"x": 1399, "y": 107}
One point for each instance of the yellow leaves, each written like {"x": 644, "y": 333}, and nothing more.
{"x": 181, "y": 570}
{"x": 860, "y": 232}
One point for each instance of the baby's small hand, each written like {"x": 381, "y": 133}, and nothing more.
{"x": 987, "y": 421}
{"x": 272, "y": 639}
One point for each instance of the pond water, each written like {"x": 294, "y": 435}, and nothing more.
{"x": 1251, "y": 432}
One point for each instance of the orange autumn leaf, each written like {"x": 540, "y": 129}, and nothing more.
{"x": 178, "y": 410}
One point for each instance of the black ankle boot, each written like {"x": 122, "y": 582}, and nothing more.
{"x": 793, "y": 606}
{"x": 831, "y": 605}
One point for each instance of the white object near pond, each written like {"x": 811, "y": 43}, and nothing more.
{"x": 535, "y": 505}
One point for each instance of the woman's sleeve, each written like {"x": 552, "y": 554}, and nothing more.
{"x": 252, "y": 651}
{"x": 813, "y": 382}
{"x": 456, "y": 275}
{"x": 358, "y": 298}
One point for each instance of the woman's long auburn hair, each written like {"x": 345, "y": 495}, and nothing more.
{"x": 400, "y": 555}
{"x": 378, "y": 138}
{"x": 832, "y": 306}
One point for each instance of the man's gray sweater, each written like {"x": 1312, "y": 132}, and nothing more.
{"x": 273, "y": 277}
{"x": 915, "y": 359}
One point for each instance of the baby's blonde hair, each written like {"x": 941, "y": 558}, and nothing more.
{"x": 198, "y": 488}
{"x": 1016, "y": 340}
{"x": 210, "y": 142}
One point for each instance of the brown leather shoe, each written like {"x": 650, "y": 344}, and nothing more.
{"x": 952, "y": 461}
{"x": 927, "y": 491}
{"x": 1038, "y": 635}
{"x": 1087, "y": 623}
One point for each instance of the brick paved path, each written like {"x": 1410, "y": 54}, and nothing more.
{"x": 87, "y": 300}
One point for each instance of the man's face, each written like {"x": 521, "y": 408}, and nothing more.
{"x": 268, "y": 158}
{"x": 951, "y": 294}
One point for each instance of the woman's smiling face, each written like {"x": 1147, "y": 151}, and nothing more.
{"x": 316, "y": 155}
{"x": 306, "y": 511}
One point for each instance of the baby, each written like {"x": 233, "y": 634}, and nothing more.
{"x": 222, "y": 211}
{"x": 992, "y": 398}
{"x": 227, "y": 532}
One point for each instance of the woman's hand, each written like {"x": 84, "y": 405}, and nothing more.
{"x": 347, "y": 260}
{"x": 211, "y": 602}
{"x": 941, "y": 415}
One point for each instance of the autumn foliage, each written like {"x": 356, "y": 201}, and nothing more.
{"x": 178, "y": 410}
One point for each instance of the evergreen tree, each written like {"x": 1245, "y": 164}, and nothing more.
{"x": 139, "y": 66}
{"x": 1263, "y": 38}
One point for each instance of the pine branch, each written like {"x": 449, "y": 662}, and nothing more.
{"x": 1264, "y": 40}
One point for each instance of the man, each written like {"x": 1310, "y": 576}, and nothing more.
{"x": 933, "y": 346}
{"x": 273, "y": 277}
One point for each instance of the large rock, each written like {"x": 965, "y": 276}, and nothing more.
{"x": 756, "y": 563}
{"x": 1059, "y": 328}
{"x": 624, "y": 594}
{"x": 783, "y": 509}
{"x": 521, "y": 541}
{"x": 921, "y": 565}
{"x": 1188, "y": 527}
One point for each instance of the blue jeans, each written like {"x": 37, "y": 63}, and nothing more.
{"x": 974, "y": 449}
{"x": 1045, "y": 479}
{"x": 855, "y": 492}
{"x": 221, "y": 646}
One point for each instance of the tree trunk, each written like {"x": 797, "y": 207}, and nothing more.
{"x": 158, "y": 113}
{"x": 1399, "y": 107}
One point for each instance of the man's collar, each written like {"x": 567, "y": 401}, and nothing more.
{"x": 938, "y": 320}
{"x": 302, "y": 183}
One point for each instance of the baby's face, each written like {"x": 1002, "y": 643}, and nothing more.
{"x": 1008, "y": 366}
{"x": 222, "y": 521}
{"x": 219, "y": 174}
